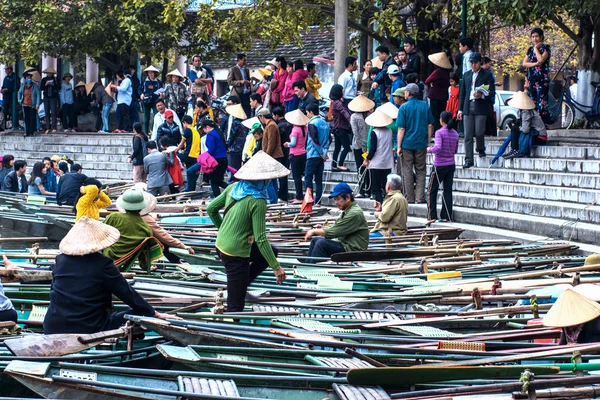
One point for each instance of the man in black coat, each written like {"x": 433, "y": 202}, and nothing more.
{"x": 15, "y": 181}
{"x": 306, "y": 99}
{"x": 474, "y": 106}
{"x": 382, "y": 80}
{"x": 69, "y": 186}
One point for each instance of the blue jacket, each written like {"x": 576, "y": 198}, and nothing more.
{"x": 66, "y": 94}
{"x": 318, "y": 129}
{"x": 50, "y": 184}
{"x": 148, "y": 89}
{"x": 35, "y": 94}
{"x": 215, "y": 145}
{"x": 9, "y": 83}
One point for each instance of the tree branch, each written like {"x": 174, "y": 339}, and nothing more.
{"x": 554, "y": 18}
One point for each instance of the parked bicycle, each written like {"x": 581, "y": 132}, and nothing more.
{"x": 566, "y": 107}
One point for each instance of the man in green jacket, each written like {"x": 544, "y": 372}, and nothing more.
{"x": 392, "y": 214}
{"x": 242, "y": 243}
{"x": 350, "y": 229}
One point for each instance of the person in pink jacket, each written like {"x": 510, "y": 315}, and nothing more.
{"x": 280, "y": 77}
{"x": 299, "y": 74}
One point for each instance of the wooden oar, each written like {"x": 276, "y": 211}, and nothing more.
{"x": 23, "y": 239}
{"x": 59, "y": 344}
{"x": 18, "y": 275}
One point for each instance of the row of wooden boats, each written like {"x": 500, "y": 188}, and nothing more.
{"x": 426, "y": 315}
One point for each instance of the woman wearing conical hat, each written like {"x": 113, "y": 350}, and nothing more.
{"x": 577, "y": 315}
{"x": 84, "y": 281}
{"x": 176, "y": 93}
{"x": 531, "y": 125}
{"x": 242, "y": 242}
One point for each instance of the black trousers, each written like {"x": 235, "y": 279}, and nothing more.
{"x": 378, "y": 181}
{"x": 68, "y": 116}
{"x": 445, "y": 176}
{"x": 217, "y": 178}
{"x": 437, "y": 106}
{"x": 490, "y": 124}
{"x": 50, "y": 107}
{"x": 170, "y": 256}
{"x": 8, "y": 315}
{"x": 365, "y": 184}
{"x": 30, "y": 121}
{"x": 321, "y": 247}
{"x": 245, "y": 100}
{"x": 241, "y": 272}
{"x": 7, "y": 107}
{"x": 343, "y": 137}
{"x": 124, "y": 123}
{"x": 283, "y": 190}
{"x": 298, "y": 164}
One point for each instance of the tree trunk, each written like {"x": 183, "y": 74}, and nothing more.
{"x": 588, "y": 63}
{"x": 341, "y": 36}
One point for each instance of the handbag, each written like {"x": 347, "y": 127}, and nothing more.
{"x": 208, "y": 164}
{"x": 197, "y": 90}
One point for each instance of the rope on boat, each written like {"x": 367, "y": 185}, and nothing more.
{"x": 179, "y": 275}
{"x": 526, "y": 378}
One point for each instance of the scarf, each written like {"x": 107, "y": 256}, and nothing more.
{"x": 256, "y": 189}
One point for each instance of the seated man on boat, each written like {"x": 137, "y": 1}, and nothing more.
{"x": 577, "y": 315}
{"x": 242, "y": 242}
{"x": 350, "y": 229}
{"x": 393, "y": 213}
{"x": 7, "y": 310}
{"x": 69, "y": 186}
{"x": 84, "y": 281}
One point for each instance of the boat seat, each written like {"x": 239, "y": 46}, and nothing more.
{"x": 351, "y": 392}
{"x": 339, "y": 362}
{"x": 38, "y": 313}
{"x": 418, "y": 330}
{"x": 272, "y": 309}
{"x": 214, "y": 387}
{"x": 312, "y": 326}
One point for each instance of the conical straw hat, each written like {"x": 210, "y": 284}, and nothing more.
{"x": 150, "y": 202}
{"x": 378, "y": 119}
{"x": 388, "y": 109}
{"x": 521, "y": 101}
{"x": 257, "y": 75}
{"x": 88, "y": 236}
{"x": 176, "y": 73}
{"x": 361, "y": 104}
{"x": 248, "y": 123}
{"x": 441, "y": 60}
{"x": 592, "y": 259}
{"x": 80, "y": 83}
{"x": 296, "y": 117}
{"x": 589, "y": 290}
{"x": 89, "y": 87}
{"x": 261, "y": 167}
{"x": 49, "y": 70}
{"x": 571, "y": 309}
{"x": 152, "y": 69}
{"x": 35, "y": 75}
{"x": 236, "y": 111}
{"x": 272, "y": 62}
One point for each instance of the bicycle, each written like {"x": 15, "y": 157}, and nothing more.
{"x": 566, "y": 107}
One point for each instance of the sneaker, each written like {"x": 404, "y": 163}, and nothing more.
{"x": 102, "y": 131}
{"x": 511, "y": 154}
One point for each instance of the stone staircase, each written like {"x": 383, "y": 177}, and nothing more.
{"x": 554, "y": 195}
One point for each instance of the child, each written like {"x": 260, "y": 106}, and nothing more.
{"x": 258, "y": 135}
{"x": 414, "y": 78}
{"x": 67, "y": 100}
{"x": 374, "y": 94}
{"x": 453, "y": 94}
{"x": 91, "y": 200}
{"x": 446, "y": 146}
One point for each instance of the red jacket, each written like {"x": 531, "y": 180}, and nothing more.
{"x": 281, "y": 77}
{"x": 299, "y": 75}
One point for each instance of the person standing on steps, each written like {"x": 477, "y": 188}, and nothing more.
{"x": 285, "y": 130}
{"x": 537, "y": 62}
{"x": 176, "y": 94}
{"x": 477, "y": 92}
{"x": 465, "y": 46}
{"x": 438, "y": 83}
{"x": 29, "y": 97}
{"x": 297, "y": 149}
{"x": 380, "y": 158}
{"x": 160, "y": 118}
{"x": 414, "y": 59}
{"x": 67, "y": 103}
{"x": 50, "y": 88}
{"x": 148, "y": 95}
{"x": 361, "y": 106}
{"x": 348, "y": 80}
{"x": 8, "y": 89}
{"x": 350, "y": 229}
{"x": 415, "y": 128}
{"x": 444, "y": 150}
{"x": 271, "y": 144}
{"x": 242, "y": 243}
{"x": 341, "y": 128}
{"x": 124, "y": 99}
{"x": 134, "y": 116}
{"x": 382, "y": 80}
{"x": 239, "y": 80}
{"x": 139, "y": 151}
{"x": 317, "y": 147}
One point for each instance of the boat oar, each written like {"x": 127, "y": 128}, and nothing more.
{"x": 59, "y": 344}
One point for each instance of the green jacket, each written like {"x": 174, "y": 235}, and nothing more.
{"x": 133, "y": 231}
{"x": 350, "y": 229}
{"x": 243, "y": 225}
{"x": 394, "y": 212}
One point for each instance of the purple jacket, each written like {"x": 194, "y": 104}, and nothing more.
{"x": 446, "y": 146}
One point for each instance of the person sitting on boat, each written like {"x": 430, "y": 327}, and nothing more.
{"x": 157, "y": 231}
{"x": 133, "y": 229}
{"x": 350, "y": 229}
{"x": 15, "y": 181}
{"x": 242, "y": 243}
{"x": 84, "y": 281}
{"x": 7, "y": 310}
{"x": 577, "y": 315}
{"x": 69, "y": 185}
{"x": 393, "y": 213}
{"x": 91, "y": 200}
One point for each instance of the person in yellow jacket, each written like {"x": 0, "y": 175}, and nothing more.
{"x": 313, "y": 83}
{"x": 91, "y": 200}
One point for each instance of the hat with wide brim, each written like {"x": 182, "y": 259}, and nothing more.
{"x": 570, "y": 309}
{"x": 35, "y": 74}
{"x": 88, "y": 236}
{"x": 296, "y": 117}
{"x": 589, "y": 290}
{"x": 49, "y": 70}
{"x": 152, "y": 69}
{"x": 89, "y": 87}
{"x": 68, "y": 74}
{"x": 236, "y": 111}
{"x": 265, "y": 71}
{"x": 361, "y": 104}
{"x": 256, "y": 74}
{"x": 148, "y": 198}
{"x": 248, "y": 123}
{"x": 378, "y": 119}
{"x": 521, "y": 101}
{"x": 377, "y": 62}
{"x": 388, "y": 109}
{"x": 175, "y": 72}
{"x": 132, "y": 200}
{"x": 592, "y": 259}
{"x": 79, "y": 84}
{"x": 272, "y": 62}
{"x": 261, "y": 167}
{"x": 441, "y": 60}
